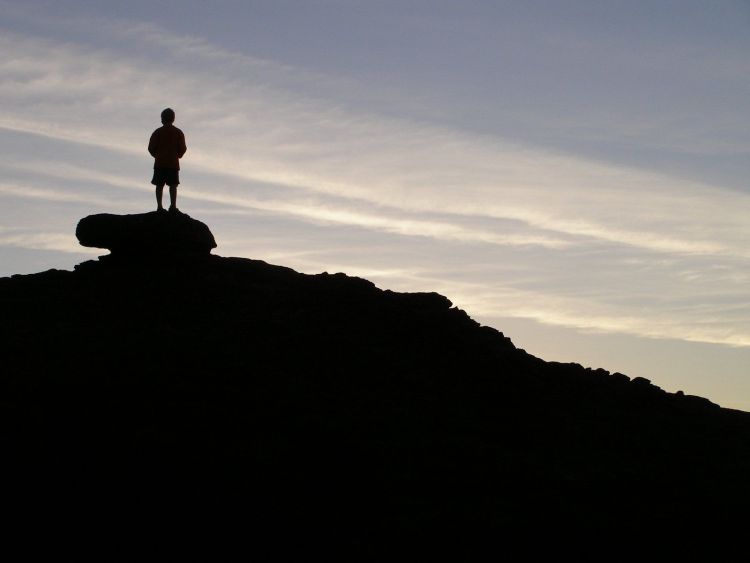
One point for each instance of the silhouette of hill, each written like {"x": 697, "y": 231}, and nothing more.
{"x": 162, "y": 379}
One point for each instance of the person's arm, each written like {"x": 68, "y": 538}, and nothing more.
{"x": 152, "y": 144}
{"x": 183, "y": 147}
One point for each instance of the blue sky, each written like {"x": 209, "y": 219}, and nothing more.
{"x": 571, "y": 173}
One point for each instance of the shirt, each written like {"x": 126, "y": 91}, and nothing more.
{"x": 167, "y": 145}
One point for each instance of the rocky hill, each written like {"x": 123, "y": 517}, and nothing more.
{"x": 164, "y": 379}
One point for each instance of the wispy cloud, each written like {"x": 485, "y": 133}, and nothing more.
{"x": 687, "y": 322}
{"x": 258, "y": 133}
{"x": 306, "y": 209}
{"x": 322, "y": 161}
{"x": 28, "y": 191}
{"x": 61, "y": 242}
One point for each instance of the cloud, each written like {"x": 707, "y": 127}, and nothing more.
{"x": 251, "y": 130}
{"x": 256, "y": 144}
{"x": 306, "y": 209}
{"x": 61, "y": 242}
{"x": 28, "y": 191}
{"x": 692, "y": 323}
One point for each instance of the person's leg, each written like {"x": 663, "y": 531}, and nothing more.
{"x": 159, "y": 192}
{"x": 173, "y": 197}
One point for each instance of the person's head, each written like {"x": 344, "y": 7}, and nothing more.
{"x": 167, "y": 116}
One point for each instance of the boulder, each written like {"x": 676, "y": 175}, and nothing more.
{"x": 155, "y": 233}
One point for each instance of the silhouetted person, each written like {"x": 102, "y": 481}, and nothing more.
{"x": 167, "y": 145}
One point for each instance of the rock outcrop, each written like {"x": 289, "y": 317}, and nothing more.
{"x": 319, "y": 408}
{"x": 146, "y": 234}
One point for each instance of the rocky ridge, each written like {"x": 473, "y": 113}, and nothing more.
{"x": 165, "y": 378}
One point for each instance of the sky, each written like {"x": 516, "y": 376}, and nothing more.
{"x": 573, "y": 173}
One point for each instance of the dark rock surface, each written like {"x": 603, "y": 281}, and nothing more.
{"x": 155, "y": 233}
{"x": 320, "y": 410}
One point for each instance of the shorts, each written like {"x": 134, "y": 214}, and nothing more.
{"x": 168, "y": 176}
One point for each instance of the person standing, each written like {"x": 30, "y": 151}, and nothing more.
{"x": 167, "y": 145}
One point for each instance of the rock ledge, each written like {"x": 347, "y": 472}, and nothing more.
{"x": 155, "y": 233}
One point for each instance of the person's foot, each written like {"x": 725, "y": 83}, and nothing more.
{"x": 160, "y": 210}
{"x": 173, "y": 209}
